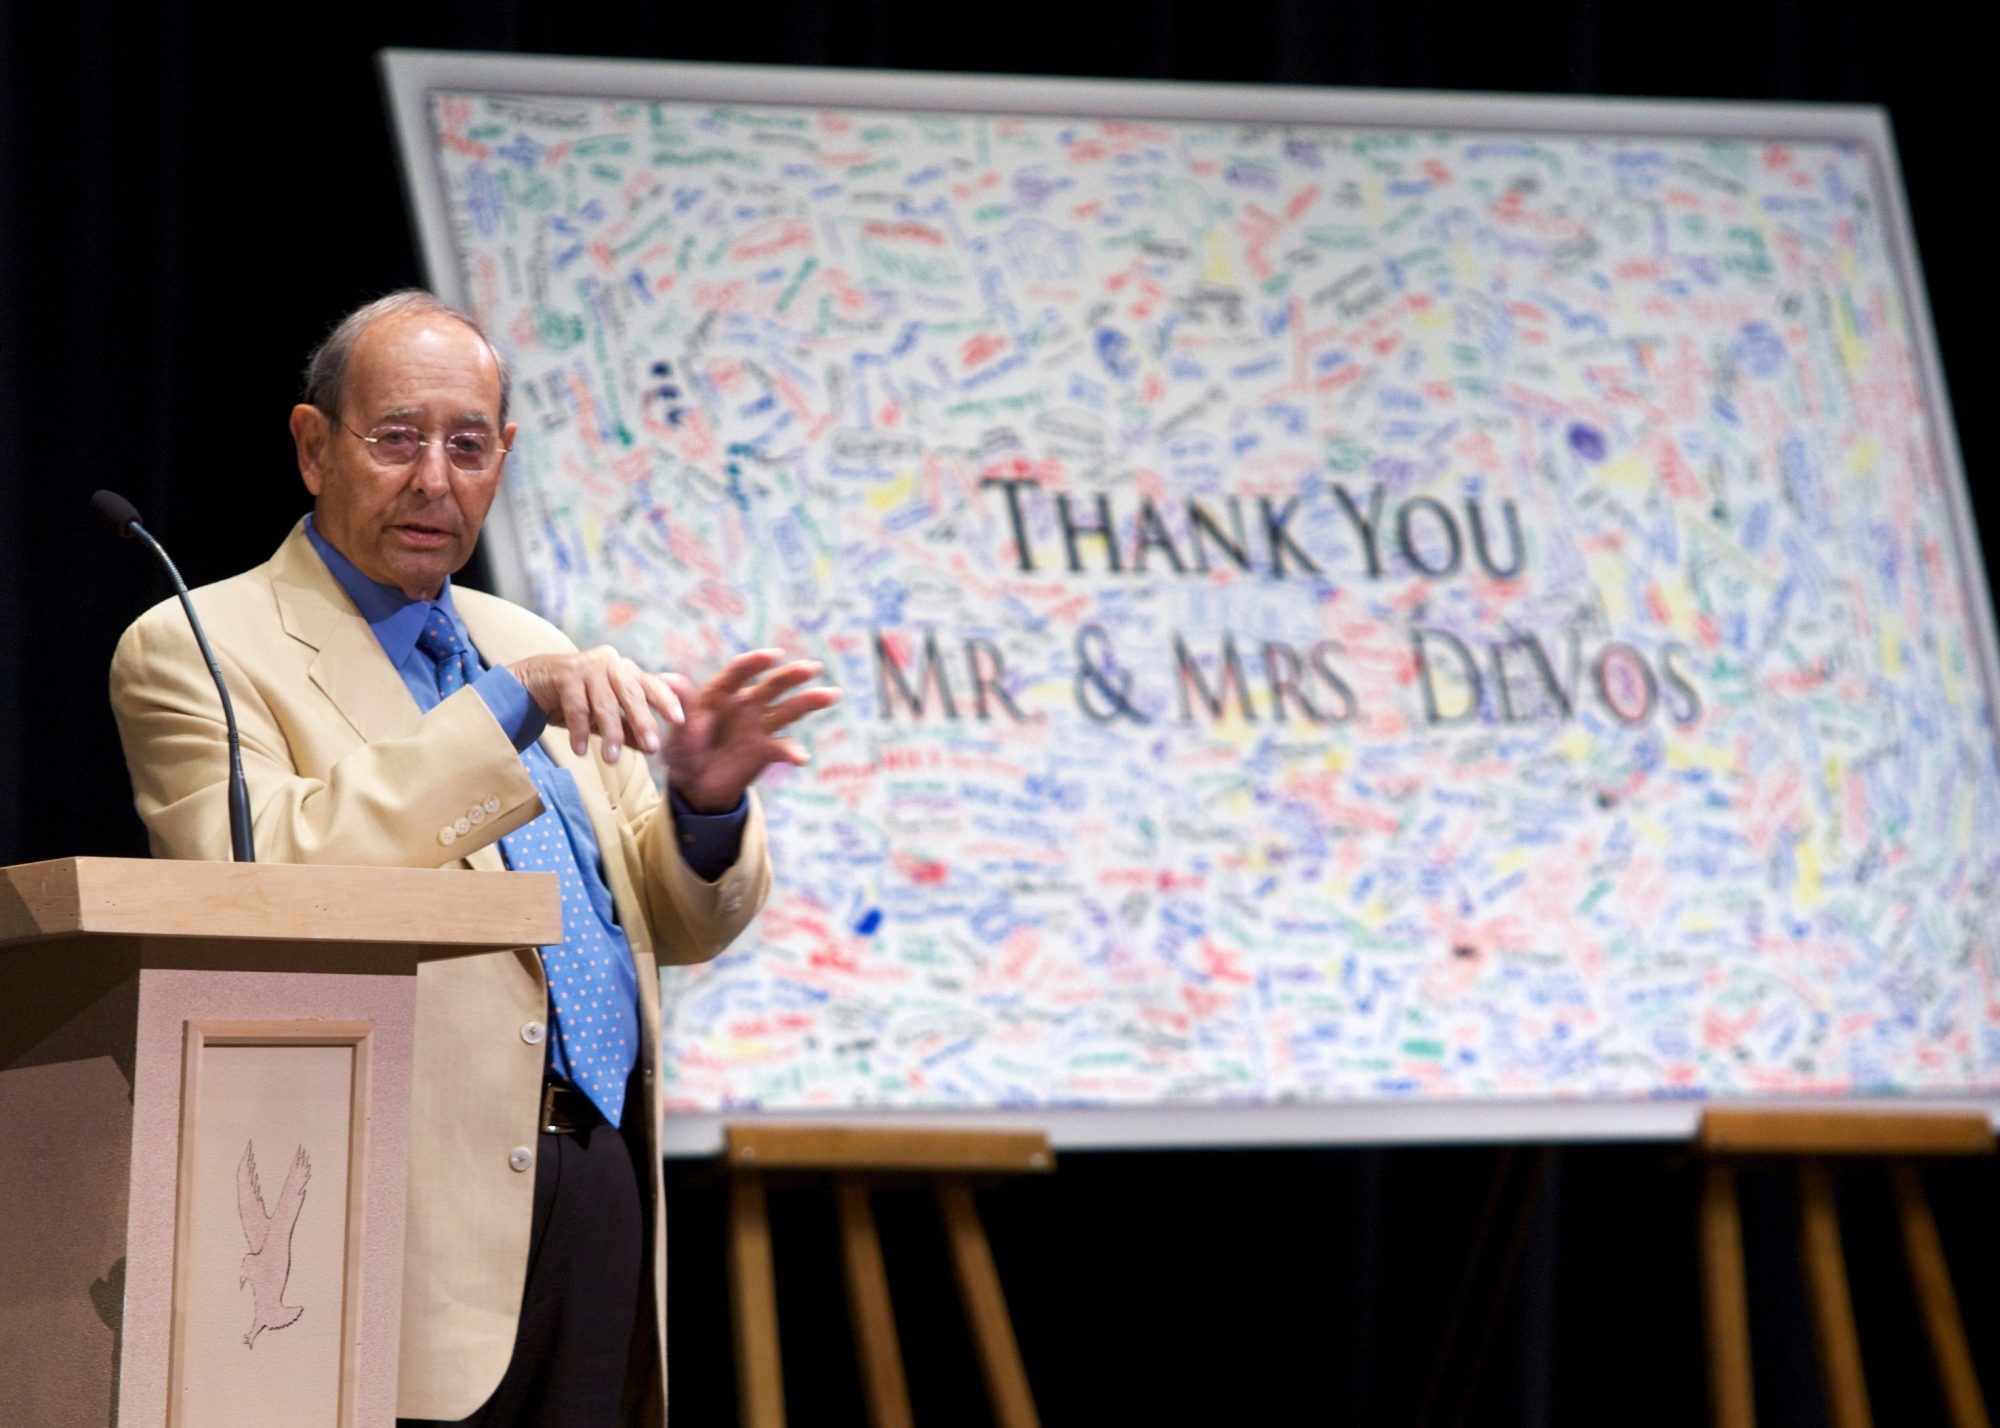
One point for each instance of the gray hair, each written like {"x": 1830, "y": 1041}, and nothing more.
{"x": 326, "y": 369}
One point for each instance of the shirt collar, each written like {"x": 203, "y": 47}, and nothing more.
{"x": 395, "y": 618}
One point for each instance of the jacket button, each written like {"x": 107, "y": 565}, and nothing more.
{"x": 533, "y": 1032}
{"x": 464, "y": 826}
{"x": 520, "y": 1157}
{"x": 476, "y": 814}
{"x": 447, "y": 835}
{"x": 492, "y": 804}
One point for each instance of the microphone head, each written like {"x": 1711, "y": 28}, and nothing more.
{"x": 116, "y": 512}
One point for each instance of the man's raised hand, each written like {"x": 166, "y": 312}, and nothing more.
{"x": 599, "y": 691}
{"x": 734, "y": 726}
{"x": 720, "y": 736}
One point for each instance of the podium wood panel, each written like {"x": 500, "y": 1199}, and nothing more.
{"x": 443, "y": 908}
{"x": 104, "y": 965}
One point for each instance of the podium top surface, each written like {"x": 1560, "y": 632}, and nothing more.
{"x": 143, "y": 897}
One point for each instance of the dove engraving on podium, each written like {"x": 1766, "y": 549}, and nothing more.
{"x": 269, "y": 1263}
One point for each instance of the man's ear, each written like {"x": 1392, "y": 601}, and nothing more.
{"x": 309, "y": 438}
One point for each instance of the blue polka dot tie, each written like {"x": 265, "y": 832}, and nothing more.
{"x": 593, "y": 991}
{"x": 456, "y": 663}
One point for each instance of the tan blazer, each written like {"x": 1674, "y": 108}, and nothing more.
{"x": 342, "y": 768}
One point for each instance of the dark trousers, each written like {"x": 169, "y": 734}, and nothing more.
{"x": 581, "y": 1322}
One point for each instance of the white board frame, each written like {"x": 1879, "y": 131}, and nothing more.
{"x": 410, "y": 77}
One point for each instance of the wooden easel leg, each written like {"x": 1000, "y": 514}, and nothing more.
{"x": 1931, "y": 1282}
{"x": 882, "y": 1380}
{"x": 1832, "y": 1307}
{"x": 986, "y": 1308}
{"x": 1725, "y": 1299}
{"x": 753, "y": 1292}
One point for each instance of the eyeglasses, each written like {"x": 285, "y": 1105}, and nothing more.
{"x": 470, "y": 450}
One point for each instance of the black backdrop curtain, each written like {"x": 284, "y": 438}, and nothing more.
{"x": 190, "y": 194}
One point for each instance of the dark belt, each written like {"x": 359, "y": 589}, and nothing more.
{"x": 566, "y": 1110}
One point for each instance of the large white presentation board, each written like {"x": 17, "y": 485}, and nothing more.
{"x": 1362, "y": 616}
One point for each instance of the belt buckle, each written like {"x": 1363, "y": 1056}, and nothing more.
{"x": 550, "y": 1121}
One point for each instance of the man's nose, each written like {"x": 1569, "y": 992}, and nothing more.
{"x": 431, "y": 472}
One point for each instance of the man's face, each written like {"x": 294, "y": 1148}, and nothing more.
{"x": 413, "y": 524}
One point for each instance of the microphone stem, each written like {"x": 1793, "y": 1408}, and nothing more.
{"x": 239, "y": 788}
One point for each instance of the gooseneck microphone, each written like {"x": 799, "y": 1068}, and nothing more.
{"x": 123, "y": 518}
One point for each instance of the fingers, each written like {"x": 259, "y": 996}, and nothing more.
{"x": 663, "y": 693}
{"x": 573, "y": 698}
{"x": 607, "y": 713}
{"x": 779, "y": 715}
{"x": 637, "y": 711}
{"x": 760, "y": 699}
{"x": 790, "y": 676}
{"x": 741, "y": 670}
{"x": 600, "y": 692}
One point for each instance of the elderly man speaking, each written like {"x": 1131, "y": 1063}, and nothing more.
{"x": 389, "y": 717}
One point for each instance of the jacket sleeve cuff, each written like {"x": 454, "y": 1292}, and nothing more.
{"x": 513, "y": 707}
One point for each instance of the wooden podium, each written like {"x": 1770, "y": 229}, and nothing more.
{"x": 204, "y": 1098}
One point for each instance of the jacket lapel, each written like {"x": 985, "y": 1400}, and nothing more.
{"x": 354, "y": 673}
{"x": 349, "y": 667}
